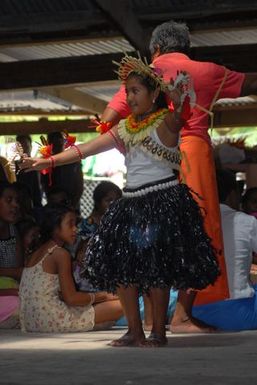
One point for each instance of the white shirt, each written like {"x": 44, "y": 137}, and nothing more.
{"x": 240, "y": 241}
{"x": 142, "y": 168}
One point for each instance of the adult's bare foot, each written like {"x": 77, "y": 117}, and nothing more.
{"x": 191, "y": 325}
{"x": 128, "y": 339}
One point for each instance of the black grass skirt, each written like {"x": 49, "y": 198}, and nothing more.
{"x": 152, "y": 241}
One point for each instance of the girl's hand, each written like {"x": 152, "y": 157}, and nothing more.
{"x": 111, "y": 297}
{"x": 102, "y": 296}
{"x": 34, "y": 164}
{"x": 179, "y": 89}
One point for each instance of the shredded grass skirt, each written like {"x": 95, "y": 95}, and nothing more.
{"x": 152, "y": 241}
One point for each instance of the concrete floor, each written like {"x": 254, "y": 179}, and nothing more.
{"x": 85, "y": 358}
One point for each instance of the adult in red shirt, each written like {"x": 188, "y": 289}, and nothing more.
{"x": 169, "y": 46}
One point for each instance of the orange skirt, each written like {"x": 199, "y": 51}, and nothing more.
{"x": 198, "y": 172}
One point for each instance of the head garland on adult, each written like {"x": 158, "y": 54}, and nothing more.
{"x": 170, "y": 37}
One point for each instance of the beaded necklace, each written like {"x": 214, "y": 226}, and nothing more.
{"x": 133, "y": 132}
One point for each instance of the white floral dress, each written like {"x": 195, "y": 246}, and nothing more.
{"x": 41, "y": 308}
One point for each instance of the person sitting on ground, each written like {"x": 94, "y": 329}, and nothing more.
{"x": 49, "y": 299}
{"x": 26, "y": 210}
{"x": 240, "y": 241}
{"x": 104, "y": 194}
{"x": 11, "y": 258}
{"x": 29, "y": 232}
{"x": 249, "y": 202}
{"x": 58, "y": 196}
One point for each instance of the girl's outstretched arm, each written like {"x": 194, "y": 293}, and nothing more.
{"x": 102, "y": 143}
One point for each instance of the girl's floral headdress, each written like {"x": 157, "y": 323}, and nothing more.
{"x": 129, "y": 64}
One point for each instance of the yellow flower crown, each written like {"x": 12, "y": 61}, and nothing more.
{"x": 129, "y": 64}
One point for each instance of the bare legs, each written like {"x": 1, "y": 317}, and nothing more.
{"x": 160, "y": 301}
{"x": 106, "y": 313}
{"x": 135, "y": 335}
{"x": 183, "y": 321}
{"x": 148, "y": 313}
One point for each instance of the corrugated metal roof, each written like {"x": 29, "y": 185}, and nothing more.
{"x": 30, "y": 100}
{"x": 57, "y": 50}
{"x": 118, "y": 44}
{"x": 102, "y": 90}
{"x": 224, "y": 37}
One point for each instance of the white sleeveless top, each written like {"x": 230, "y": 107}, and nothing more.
{"x": 142, "y": 168}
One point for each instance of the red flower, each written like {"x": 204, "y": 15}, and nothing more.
{"x": 46, "y": 151}
{"x": 69, "y": 140}
{"x": 101, "y": 126}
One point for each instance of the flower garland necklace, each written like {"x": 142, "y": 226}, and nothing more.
{"x": 133, "y": 132}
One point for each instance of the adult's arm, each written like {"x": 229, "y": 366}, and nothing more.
{"x": 117, "y": 108}
{"x": 249, "y": 86}
{"x": 110, "y": 115}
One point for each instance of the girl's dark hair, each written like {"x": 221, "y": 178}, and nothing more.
{"x": 7, "y": 186}
{"x": 52, "y": 218}
{"x": 102, "y": 190}
{"x": 150, "y": 84}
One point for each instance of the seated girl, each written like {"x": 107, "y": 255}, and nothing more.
{"x": 49, "y": 299}
{"x": 104, "y": 194}
{"x": 11, "y": 258}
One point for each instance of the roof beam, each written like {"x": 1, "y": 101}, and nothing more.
{"x": 122, "y": 15}
{"x": 78, "y": 98}
{"x": 95, "y": 68}
{"x": 43, "y": 126}
{"x": 54, "y": 72}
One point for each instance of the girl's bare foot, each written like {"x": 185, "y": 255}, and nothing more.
{"x": 155, "y": 341}
{"x": 129, "y": 339}
{"x": 147, "y": 327}
{"x": 191, "y": 325}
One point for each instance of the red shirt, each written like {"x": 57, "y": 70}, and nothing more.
{"x": 207, "y": 78}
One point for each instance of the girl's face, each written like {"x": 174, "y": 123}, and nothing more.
{"x": 106, "y": 201}
{"x": 139, "y": 98}
{"x": 9, "y": 206}
{"x": 67, "y": 231}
